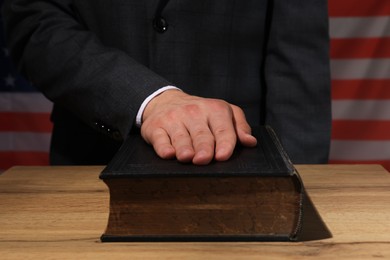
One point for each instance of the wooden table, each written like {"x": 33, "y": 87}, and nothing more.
{"x": 60, "y": 213}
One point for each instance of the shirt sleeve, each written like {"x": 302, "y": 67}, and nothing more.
{"x": 138, "y": 121}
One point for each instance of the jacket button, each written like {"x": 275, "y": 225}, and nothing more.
{"x": 160, "y": 25}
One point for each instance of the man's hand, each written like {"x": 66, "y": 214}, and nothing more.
{"x": 194, "y": 129}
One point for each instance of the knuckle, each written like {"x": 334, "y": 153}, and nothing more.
{"x": 229, "y": 145}
{"x": 218, "y": 105}
{"x": 151, "y": 135}
{"x": 192, "y": 109}
{"x": 201, "y": 132}
{"x": 236, "y": 108}
{"x": 179, "y": 136}
{"x": 170, "y": 115}
{"x": 238, "y": 113}
{"x": 157, "y": 134}
{"x": 205, "y": 146}
{"x": 221, "y": 131}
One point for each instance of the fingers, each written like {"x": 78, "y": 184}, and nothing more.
{"x": 222, "y": 127}
{"x": 171, "y": 142}
{"x": 212, "y": 131}
{"x": 203, "y": 143}
{"x": 182, "y": 143}
{"x": 242, "y": 128}
{"x": 161, "y": 142}
{"x": 194, "y": 129}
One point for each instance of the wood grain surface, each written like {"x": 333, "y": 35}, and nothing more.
{"x": 61, "y": 212}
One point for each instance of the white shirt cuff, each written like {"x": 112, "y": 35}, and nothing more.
{"x": 138, "y": 119}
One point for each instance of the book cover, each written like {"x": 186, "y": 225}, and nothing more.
{"x": 256, "y": 195}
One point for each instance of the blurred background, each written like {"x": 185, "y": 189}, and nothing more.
{"x": 360, "y": 66}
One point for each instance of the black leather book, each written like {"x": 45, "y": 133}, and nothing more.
{"x": 256, "y": 195}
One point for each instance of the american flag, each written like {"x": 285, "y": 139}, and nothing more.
{"x": 360, "y": 66}
{"x": 25, "y": 125}
{"x": 360, "y": 69}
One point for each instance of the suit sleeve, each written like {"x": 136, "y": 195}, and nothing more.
{"x": 72, "y": 67}
{"x": 297, "y": 77}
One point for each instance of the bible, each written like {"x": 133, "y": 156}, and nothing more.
{"x": 256, "y": 195}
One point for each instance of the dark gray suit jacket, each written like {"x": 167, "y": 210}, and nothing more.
{"x": 97, "y": 60}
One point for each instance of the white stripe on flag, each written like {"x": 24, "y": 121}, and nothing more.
{"x": 360, "y": 150}
{"x": 359, "y": 27}
{"x": 23, "y": 141}
{"x": 24, "y": 102}
{"x": 360, "y": 68}
{"x": 361, "y": 109}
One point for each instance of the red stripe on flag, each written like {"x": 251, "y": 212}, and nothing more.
{"x": 359, "y": 48}
{"x": 384, "y": 163}
{"x": 25, "y": 122}
{"x": 360, "y": 130}
{"x": 361, "y": 89}
{"x": 9, "y": 159}
{"x": 359, "y": 7}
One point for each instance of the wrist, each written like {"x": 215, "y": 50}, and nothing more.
{"x": 145, "y": 103}
{"x": 165, "y": 97}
